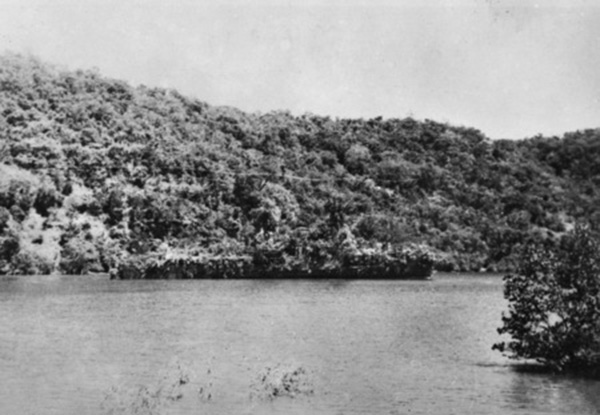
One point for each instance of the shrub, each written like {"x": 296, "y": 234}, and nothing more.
{"x": 30, "y": 263}
{"x": 9, "y": 246}
{"x": 554, "y": 304}
{"x": 110, "y": 253}
{"x": 79, "y": 256}
{"x": 46, "y": 198}
{"x": 18, "y": 193}
{"x": 357, "y": 159}
{"x": 114, "y": 205}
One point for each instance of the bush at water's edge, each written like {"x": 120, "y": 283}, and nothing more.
{"x": 408, "y": 262}
{"x": 554, "y": 305}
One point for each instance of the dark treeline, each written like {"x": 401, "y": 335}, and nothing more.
{"x": 94, "y": 171}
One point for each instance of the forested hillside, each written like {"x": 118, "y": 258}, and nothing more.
{"x": 94, "y": 172}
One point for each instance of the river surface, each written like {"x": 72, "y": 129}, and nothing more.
{"x": 87, "y": 345}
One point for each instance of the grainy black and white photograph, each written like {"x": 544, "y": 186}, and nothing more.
{"x": 299, "y": 207}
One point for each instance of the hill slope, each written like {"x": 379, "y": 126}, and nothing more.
{"x": 94, "y": 171}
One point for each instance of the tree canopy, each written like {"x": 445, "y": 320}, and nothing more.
{"x": 94, "y": 170}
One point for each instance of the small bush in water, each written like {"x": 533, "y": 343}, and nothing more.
{"x": 154, "y": 399}
{"x": 554, "y": 305}
{"x": 279, "y": 381}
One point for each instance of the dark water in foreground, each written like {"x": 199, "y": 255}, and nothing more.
{"x": 86, "y": 345}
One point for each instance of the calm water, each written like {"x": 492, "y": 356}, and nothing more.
{"x": 87, "y": 345}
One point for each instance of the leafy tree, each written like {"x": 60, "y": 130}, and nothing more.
{"x": 554, "y": 304}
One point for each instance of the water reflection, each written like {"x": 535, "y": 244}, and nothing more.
{"x": 534, "y": 387}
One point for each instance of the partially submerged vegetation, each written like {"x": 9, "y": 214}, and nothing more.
{"x": 182, "y": 387}
{"x": 554, "y": 305}
{"x": 282, "y": 381}
{"x": 99, "y": 176}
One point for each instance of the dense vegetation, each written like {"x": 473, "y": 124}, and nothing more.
{"x": 554, "y": 305}
{"x": 95, "y": 172}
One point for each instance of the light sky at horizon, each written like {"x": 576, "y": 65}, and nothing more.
{"x": 510, "y": 68}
